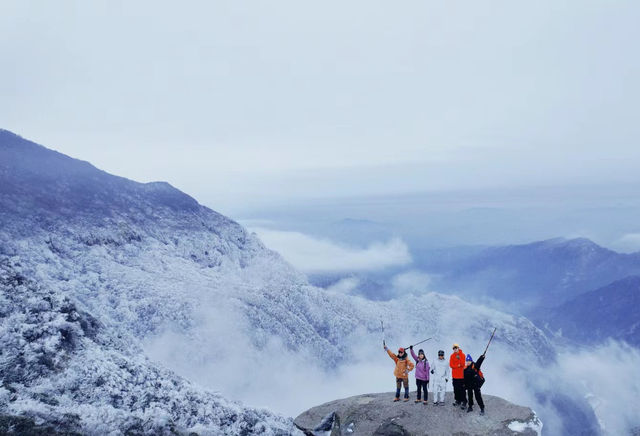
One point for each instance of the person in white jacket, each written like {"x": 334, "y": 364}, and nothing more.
{"x": 440, "y": 370}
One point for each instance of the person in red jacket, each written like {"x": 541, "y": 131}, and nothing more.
{"x": 457, "y": 364}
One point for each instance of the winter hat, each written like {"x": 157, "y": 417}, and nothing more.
{"x": 455, "y": 345}
{"x": 400, "y": 350}
{"x": 441, "y": 353}
{"x": 469, "y": 358}
{"x": 420, "y": 351}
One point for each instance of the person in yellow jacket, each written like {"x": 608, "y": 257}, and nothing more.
{"x": 403, "y": 367}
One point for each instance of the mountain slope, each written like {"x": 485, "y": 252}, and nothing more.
{"x": 612, "y": 311}
{"x": 60, "y": 366}
{"x": 36, "y": 178}
{"x": 110, "y": 240}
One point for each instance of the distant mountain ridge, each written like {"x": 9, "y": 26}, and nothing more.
{"x": 532, "y": 276}
{"x": 612, "y": 311}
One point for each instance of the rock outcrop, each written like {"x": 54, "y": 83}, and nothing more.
{"x": 377, "y": 414}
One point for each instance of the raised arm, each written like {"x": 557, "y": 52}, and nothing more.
{"x": 413, "y": 354}
{"x": 479, "y": 361}
{"x": 390, "y": 353}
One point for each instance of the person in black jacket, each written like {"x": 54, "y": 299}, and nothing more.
{"x": 473, "y": 380}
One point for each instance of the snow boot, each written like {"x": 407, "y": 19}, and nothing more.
{"x": 482, "y": 411}
{"x": 463, "y": 406}
{"x": 425, "y": 402}
{"x": 396, "y": 399}
{"x": 470, "y": 409}
{"x": 417, "y": 401}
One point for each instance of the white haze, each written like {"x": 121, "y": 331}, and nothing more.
{"x": 222, "y": 357}
{"x": 628, "y": 243}
{"x": 313, "y": 255}
{"x": 410, "y": 282}
{"x": 345, "y": 285}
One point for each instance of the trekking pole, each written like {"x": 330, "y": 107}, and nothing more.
{"x": 382, "y": 325}
{"x": 418, "y": 343}
{"x": 490, "y": 339}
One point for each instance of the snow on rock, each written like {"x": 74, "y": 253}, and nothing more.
{"x": 525, "y": 426}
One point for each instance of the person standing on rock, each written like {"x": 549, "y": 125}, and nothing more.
{"x": 403, "y": 367}
{"x": 440, "y": 373}
{"x": 473, "y": 380}
{"x": 456, "y": 362}
{"x": 422, "y": 374}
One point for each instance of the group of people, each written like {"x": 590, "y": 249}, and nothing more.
{"x": 465, "y": 373}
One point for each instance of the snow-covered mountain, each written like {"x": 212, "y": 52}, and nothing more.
{"x": 141, "y": 255}
{"x": 145, "y": 255}
{"x": 63, "y": 372}
{"x": 157, "y": 274}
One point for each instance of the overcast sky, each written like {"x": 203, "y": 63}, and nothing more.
{"x": 240, "y": 102}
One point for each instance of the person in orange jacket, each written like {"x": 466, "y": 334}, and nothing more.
{"x": 457, "y": 364}
{"x": 401, "y": 372}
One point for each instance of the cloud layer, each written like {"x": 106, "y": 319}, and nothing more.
{"x": 314, "y": 255}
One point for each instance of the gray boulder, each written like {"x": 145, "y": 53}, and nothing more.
{"x": 377, "y": 414}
